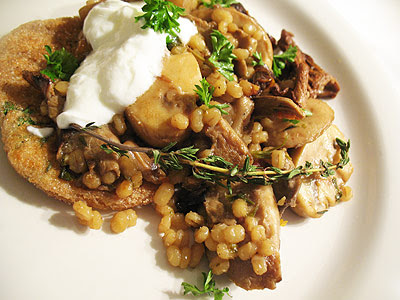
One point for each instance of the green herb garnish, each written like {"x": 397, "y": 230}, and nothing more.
{"x": 205, "y": 91}
{"x": 258, "y": 59}
{"x": 292, "y": 121}
{"x": 60, "y": 64}
{"x": 280, "y": 60}
{"x": 161, "y": 16}
{"x": 90, "y": 126}
{"x": 222, "y": 3}
{"x": 344, "y": 153}
{"x": 8, "y": 106}
{"x": 22, "y": 120}
{"x": 110, "y": 149}
{"x": 222, "y": 55}
{"x": 207, "y": 288}
{"x": 172, "y": 160}
{"x": 307, "y": 113}
{"x": 67, "y": 174}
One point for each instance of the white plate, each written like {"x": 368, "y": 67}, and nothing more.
{"x": 349, "y": 253}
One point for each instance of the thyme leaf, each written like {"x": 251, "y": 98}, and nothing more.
{"x": 110, "y": 149}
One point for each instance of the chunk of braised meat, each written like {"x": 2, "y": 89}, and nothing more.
{"x": 227, "y": 143}
{"x": 320, "y": 83}
{"x": 54, "y": 101}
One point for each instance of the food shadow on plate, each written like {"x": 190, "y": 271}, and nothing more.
{"x": 20, "y": 189}
{"x": 293, "y": 219}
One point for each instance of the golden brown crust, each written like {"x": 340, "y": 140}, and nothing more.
{"x": 22, "y": 50}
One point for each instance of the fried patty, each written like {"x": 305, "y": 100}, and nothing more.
{"x": 33, "y": 158}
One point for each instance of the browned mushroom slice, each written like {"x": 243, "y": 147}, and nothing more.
{"x": 285, "y": 132}
{"x": 264, "y": 45}
{"x": 173, "y": 93}
{"x": 227, "y": 143}
{"x": 243, "y": 108}
{"x": 320, "y": 83}
{"x": 318, "y": 193}
{"x": 54, "y": 100}
{"x": 280, "y": 107}
{"x": 241, "y": 271}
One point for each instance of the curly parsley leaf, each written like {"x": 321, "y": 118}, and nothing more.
{"x": 60, "y": 64}
{"x": 208, "y": 287}
{"x": 222, "y": 3}
{"x": 162, "y": 16}
{"x": 222, "y": 55}
{"x": 205, "y": 91}
{"x": 258, "y": 59}
{"x": 280, "y": 60}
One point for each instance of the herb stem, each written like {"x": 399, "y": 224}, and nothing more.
{"x": 109, "y": 141}
{"x": 271, "y": 172}
{"x": 205, "y": 166}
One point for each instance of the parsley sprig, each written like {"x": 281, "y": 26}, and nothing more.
{"x": 205, "y": 91}
{"x": 60, "y": 64}
{"x": 280, "y": 60}
{"x": 222, "y": 56}
{"x": 222, "y": 3}
{"x": 258, "y": 61}
{"x": 207, "y": 288}
{"x": 162, "y": 16}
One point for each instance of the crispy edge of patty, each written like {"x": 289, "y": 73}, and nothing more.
{"x": 22, "y": 50}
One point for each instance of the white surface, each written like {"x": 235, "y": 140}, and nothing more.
{"x": 352, "y": 252}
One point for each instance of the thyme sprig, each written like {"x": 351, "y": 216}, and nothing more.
{"x": 217, "y": 170}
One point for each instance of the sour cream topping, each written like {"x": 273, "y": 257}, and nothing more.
{"x": 124, "y": 63}
{"x": 43, "y": 132}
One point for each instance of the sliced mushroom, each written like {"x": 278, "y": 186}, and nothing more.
{"x": 241, "y": 271}
{"x": 54, "y": 100}
{"x": 285, "y": 132}
{"x": 227, "y": 143}
{"x": 243, "y": 108}
{"x": 317, "y": 194}
{"x": 281, "y": 107}
{"x": 170, "y": 94}
{"x": 264, "y": 45}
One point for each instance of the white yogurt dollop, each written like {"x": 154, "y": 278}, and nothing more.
{"x": 42, "y": 132}
{"x": 124, "y": 63}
